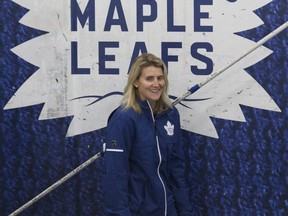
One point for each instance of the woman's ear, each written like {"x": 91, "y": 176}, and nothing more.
{"x": 136, "y": 84}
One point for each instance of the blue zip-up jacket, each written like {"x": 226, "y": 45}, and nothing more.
{"x": 144, "y": 164}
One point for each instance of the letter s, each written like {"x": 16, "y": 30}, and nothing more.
{"x": 209, "y": 63}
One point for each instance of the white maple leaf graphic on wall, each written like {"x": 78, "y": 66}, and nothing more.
{"x": 91, "y": 98}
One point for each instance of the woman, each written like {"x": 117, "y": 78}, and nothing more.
{"x": 144, "y": 160}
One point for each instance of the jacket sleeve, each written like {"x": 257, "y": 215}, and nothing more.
{"x": 118, "y": 143}
{"x": 177, "y": 174}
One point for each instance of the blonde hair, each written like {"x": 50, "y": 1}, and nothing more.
{"x": 131, "y": 93}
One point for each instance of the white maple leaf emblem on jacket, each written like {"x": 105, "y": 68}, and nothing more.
{"x": 169, "y": 128}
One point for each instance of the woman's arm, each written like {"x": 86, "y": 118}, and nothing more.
{"x": 118, "y": 143}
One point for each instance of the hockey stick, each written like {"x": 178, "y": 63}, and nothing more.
{"x": 178, "y": 100}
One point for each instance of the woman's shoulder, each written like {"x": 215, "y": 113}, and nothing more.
{"x": 173, "y": 111}
{"x": 121, "y": 113}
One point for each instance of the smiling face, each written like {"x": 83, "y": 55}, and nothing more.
{"x": 150, "y": 84}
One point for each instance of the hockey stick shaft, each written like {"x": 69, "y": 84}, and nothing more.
{"x": 57, "y": 184}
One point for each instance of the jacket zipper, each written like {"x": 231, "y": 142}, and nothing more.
{"x": 160, "y": 160}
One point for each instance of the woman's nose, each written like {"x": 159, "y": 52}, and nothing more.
{"x": 155, "y": 82}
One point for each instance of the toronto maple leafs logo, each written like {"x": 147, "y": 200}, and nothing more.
{"x": 84, "y": 57}
{"x": 169, "y": 128}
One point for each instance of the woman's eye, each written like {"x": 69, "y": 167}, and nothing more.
{"x": 149, "y": 78}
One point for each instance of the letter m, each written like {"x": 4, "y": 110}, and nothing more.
{"x": 88, "y": 13}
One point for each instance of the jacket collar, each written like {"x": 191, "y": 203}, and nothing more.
{"x": 147, "y": 109}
